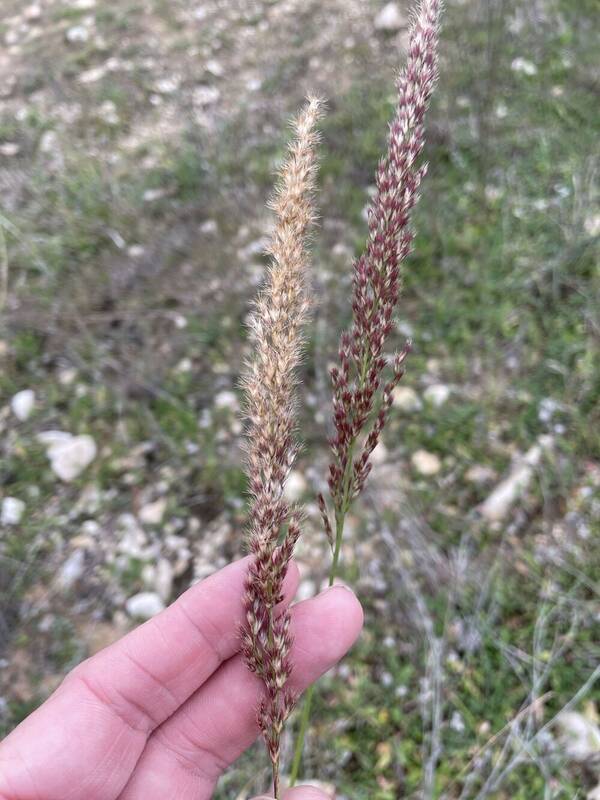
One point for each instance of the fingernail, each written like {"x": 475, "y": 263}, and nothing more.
{"x": 340, "y": 585}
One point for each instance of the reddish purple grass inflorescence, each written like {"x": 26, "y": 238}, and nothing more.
{"x": 362, "y": 396}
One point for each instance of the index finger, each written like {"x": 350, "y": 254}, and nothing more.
{"x": 148, "y": 674}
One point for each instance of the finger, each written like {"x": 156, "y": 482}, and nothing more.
{"x": 300, "y": 793}
{"x": 86, "y": 739}
{"x": 186, "y": 755}
{"x": 148, "y": 674}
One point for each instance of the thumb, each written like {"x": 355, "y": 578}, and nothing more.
{"x": 301, "y": 793}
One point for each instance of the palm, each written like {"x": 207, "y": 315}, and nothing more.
{"x": 165, "y": 710}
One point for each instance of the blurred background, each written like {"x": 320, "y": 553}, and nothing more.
{"x": 138, "y": 142}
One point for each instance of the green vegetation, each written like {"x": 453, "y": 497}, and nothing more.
{"x": 113, "y": 280}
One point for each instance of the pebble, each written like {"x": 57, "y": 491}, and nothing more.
{"x": 168, "y": 85}
{"x": 457, "y": 723}
{"x": 48, "y": 142}
{"x": 227, "y": 400}
{"x": 390, "y": 19}
{"x": 78, "y": 34}
{"x": 23, "y": 404}
{"x": 426, "y": 463}
{"x": 209, "y": 227}
{"x": 12, "y": 511}
{"x": 163, "y": 579}
{"x": 580, "y": 736}
{"x": 136, "y": 250}
{"x": 144, "y": 605}
{"x": 524, "y": 66}
{"x": 406, "y": 399}
{"x": 437, "y": 394}
{"x": 153, "y": 513}
{"x": 480, "y": 474}
{"x": 33, "y": 12}
{"x": 215, "y": 68}
{"x": 94, "y": 74}
{"x": 9, "y": 149}
{"x": 108, "y": 113}
{"x": 72, "y": 570}
{"x": 295, "y": 486}
{"x": 591, "y": 225}
{"x": 508, "y": 491}
{"x": 547, "y": 408}
{"x": 206, "y": 95}
{"x": 306, "y": 590}
{"x": 380, "y": 454}
{"x": 69, "y": 455}
{"x": 150, "y": 195}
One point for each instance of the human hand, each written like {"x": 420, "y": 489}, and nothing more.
{"x": 165, "y": 710}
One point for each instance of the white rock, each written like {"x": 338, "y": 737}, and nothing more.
{"x": 33, "y": 12}
{"x": 426, "y": 463}
{"x": 78, "y": 34}
{"x": 94, "y": 74}
{"x": 591, "y": 225}
{"x": 406, "y": 399}
{"x": 380, "y": 454}
{"x": 168, "y": 85}
{"x": 437, "y": 394}
{"x": 108, "y": 113}
{"x": 185, "y": 365}
{"x": 295, "y": 486}
{"x": 163, "y": 579}
{"x": 23, "y": 404}
{"x": 72, "y": 570}
{"x": 69, "y": 455}
{"x": 227, "y": 399}
{"x": 49, "y": 142}
{"x": 547, "y": 408}
{"x": 150, "y": 195}
{"x": 457, "y": 723}
{"x": 215, "y": 68}
{"x": 49, "y": 438}
{"x": 306, "y": 589}
{"x": 206, "y": 95}
{"x": 209, "y": 227}
{"x": 144, "y": 605}
{"x": 132, "y": 539}
{"x": 67, "y": 376}
{"x": 9, "y": 149}
{"x": 12, "y": 511}
{"x": 390, "y": 18}
{"x": 508, "y": 491}
{"x": 136, "y": 250}
{"x": 480, "y": 474}
{"x": 579, "y": 736}
{"x": 153, "y": 513}
{"x": 524, "y": 66}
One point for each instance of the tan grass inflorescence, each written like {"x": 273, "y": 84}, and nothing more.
{"x": 277, "y": 334}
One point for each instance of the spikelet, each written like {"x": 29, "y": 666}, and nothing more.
{"x": 362, "y": 394}
{"x": 276, "y": 328}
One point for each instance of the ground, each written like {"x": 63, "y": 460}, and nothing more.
{"x": 138, "y": 143}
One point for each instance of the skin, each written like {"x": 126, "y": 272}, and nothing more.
{"x": 167, "y": 709}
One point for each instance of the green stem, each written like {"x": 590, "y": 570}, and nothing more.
{"x": 308, "y": 697}
{"x": 304, "y": 720}
{"x": 340, "y": 517}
